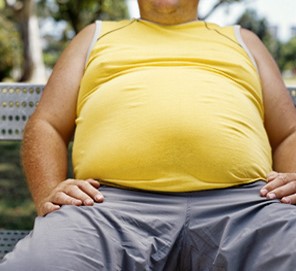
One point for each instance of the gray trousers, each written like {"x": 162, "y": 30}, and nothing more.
{"x": 230, "y": 229}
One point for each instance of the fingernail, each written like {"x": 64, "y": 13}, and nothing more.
{"x": 286, "y": 200}
{"x": 263, "y": 192}
{"x": 88, "y": 202}
{"x": 76, "y": 202}
{"x": 271, "y": 196}
{"x": 99, "y": 197}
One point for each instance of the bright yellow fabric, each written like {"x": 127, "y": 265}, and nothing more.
{"x": 170, "y": 108}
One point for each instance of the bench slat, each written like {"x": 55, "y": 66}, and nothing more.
{"x": 8, "y": 240}
{"x": 17, "y": 102}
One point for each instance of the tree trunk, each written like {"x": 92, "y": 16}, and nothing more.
{"x": 33, "y": 66}
{"x": 38, "y": 71}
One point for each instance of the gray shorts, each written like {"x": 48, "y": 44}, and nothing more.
{"x": 230, "y": 229}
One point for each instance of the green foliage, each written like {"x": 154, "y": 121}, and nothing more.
{"x": 16, "y": 206}
{"x": 250, "y": 20}
{"x": 217, "y": 4}
{"x": 53, "y": 50}
{"x": 288, "y": 56}
{"x": 10, "y": 48}
{"x": 75, "y": 14}
{"x": 81, "y": 13}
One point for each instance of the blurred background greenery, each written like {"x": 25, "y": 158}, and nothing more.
{"x": 33, "y": 34}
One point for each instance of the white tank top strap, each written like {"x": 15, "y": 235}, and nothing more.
{"x": 96, "y": 35}
{"x": 243, "y": 44}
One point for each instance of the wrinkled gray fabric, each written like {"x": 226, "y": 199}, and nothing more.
{"x": 229, "y": 229}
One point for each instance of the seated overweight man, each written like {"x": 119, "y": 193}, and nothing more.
{"x": 184, "y": 151}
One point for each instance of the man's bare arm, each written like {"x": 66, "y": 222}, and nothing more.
{"x": 49, "y": 130}
{"x": 280, "y": 124}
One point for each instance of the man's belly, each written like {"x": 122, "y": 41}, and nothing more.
{"x": 170, "y": 135}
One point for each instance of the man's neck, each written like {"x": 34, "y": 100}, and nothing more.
{"x": 168, "y": 12}
{"x": 168, "y": 21}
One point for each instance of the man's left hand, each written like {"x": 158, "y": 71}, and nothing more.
{"x": 280, "y": 186}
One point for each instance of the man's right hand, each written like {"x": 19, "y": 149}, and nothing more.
{"x": 71, "y": 192}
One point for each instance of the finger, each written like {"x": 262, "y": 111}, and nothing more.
{"x": 48, "y": 207}
{"x": 77, "y": 192}
{"x": 287, "y": 200}
{"x": 83, "y": 191}
{"x": 271, "y": 176}
{"x": 93, "y": 182}
{"x": 90, "y": 188}
{"x": 283, "y": 191}
{"x": 291, "y": 199}
{"x": 63, "y": 198}
{"x": 280, "y": 180}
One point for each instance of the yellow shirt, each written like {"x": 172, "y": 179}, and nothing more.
{"x": 170, "y": 108}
